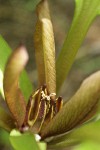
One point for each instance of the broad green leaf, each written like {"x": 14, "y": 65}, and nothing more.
{"x": 6, "y": 121}
{"x": 81, "y": 133}
{"x": 86, "y": 132}
{"x": 23, "y": 141}
{"x": 42, "y": 145}
{"x": 85, "y": 12}
{"x": 88, "y": 145}
{"x": 80, "y": 108}
{"x": 4, "y": 138}
{"x": 25, "y": 83}
{"x": 45, "y": 48}
{"x": 17, "y": 140}
{"x": 13, "y": 95}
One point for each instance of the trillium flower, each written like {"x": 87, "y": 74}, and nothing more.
{"x": 45, "y": 114}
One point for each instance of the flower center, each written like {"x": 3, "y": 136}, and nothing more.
{"x": 41, "y": 108}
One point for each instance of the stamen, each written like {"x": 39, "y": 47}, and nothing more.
{"x": 52, "y": 94}
{"x": 43, "y": 95}
{"x": 47, "y": 97}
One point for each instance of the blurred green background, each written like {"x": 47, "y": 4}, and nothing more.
{"x": 17, "y": 24}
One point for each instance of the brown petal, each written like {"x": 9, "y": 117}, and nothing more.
{"x": 41, "y": 116}
{"x": 81, "y": 107}
{"x": 13, "y": 94}
{"x": 32, "y": 109}
{"x": 45, "y": 47}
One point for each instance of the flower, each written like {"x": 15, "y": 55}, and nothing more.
{"x": 44, "y": 113}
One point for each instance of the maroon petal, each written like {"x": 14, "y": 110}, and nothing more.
{"x": 13, "y": 94}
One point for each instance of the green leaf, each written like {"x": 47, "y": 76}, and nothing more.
{"x": 81, "y": 133}
{"x": 86, "y": 132}
{"x": 25, "y": 141}
{"x": 45, "y": 48}
{"x": 80, "y": 108}
{"x": 6, "y": 121}
{"x": 42, "y": 145}
{"x": 25, "y": 83}
{"x": 85, "y": 12}
{"x": 88, "y": 145}
{"x": 4, "y": 138}
{"x": 1, "y": 83}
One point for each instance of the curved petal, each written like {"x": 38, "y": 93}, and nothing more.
{"x": 24, "y": 81}
{"x": 81, "y": 107}
{"x": 13, "y": 94}
{"x": 45, "y": 48}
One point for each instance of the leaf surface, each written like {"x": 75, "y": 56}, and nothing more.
{"x": 85, "y": 12}
{"x": 17, "y": 140}
{"x": 84, "y": 133}
{"x": 88, "y": 145}
{"x": 23, "y": 141}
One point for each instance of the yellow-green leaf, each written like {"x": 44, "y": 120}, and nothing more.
{"x": 88, "y": 131}
{"x": 23, "y": 141}
{"x": 85, "y": 12}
